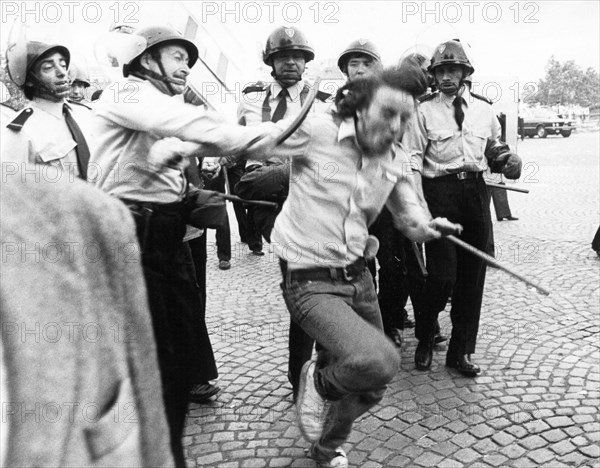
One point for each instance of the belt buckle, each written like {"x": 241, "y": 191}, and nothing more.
{"x": 461, "y": 175}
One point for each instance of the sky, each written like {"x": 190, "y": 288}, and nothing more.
{"x": 507, "y": 39}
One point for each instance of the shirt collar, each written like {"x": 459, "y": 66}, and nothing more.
{"x": 347, "y": 130}
{"x": 54, "y": 108}
{"x": 294, "y": 90}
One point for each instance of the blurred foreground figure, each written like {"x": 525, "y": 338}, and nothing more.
{"x": 80, "y": 380}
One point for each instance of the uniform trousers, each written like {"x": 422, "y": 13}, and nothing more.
{"x": 453, "y": 270}
{"x": 175, "y": 301}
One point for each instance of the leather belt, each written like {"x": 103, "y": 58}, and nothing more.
{"x": 457, "y": 176}
{"x": 347, "y": 273}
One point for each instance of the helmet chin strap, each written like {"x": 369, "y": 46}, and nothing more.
{"x": 42, "y": 89}
{"x": 162, "y": 76}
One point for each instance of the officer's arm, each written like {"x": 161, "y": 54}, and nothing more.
{"x": 153, "y": 112}
{"x": 500, "y": 158}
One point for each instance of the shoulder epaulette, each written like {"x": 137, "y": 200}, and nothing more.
{"x": 258, "y": 87}
{"x": 79, "y": 104}
{"x": 323, "y": 96}
{"x": 428, "y": 97}
{"x": 482, "y": 98}
{"x": 19, "y": 121}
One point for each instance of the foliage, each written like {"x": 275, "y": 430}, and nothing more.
{"x": 567, "y": 84}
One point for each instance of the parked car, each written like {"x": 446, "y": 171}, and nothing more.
{"x": 543, "y": 122}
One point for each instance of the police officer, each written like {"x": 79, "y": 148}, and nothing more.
{"x": 138, "y": 138}
{"x": 287, "y": 51}
{"x": 456, "y": 138}
{"x": 359, "y": 58}
{"x": 48, "y": 130}
{"x": 80, "y": 81}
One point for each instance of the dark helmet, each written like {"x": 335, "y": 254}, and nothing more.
{"x": 360, "y": 46}
{"x": 451, "y": 53}
{"x": 159, "y": 35}
{"x": 287, "y": 38}
{"x": 20, "y": 62}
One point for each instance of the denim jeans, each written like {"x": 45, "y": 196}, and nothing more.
{"x": 356, "y": 361}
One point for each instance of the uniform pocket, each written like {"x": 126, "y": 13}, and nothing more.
{"x": 53, "y": 152}
{"x": 441, "y": 148}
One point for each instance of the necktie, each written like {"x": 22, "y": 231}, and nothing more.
{"x": 281, "y": 108}
{"x": 459, "y": 114}
{"x": 82, "y": 150}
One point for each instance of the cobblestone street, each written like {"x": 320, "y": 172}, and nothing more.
{"x": 537, "y": 400}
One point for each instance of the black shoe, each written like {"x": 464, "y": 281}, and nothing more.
{"x": 463, "y": 365}
{"x": 511, "y": 218}
{"x": 424, "y": 354}
{"x": 258, "y": 252}
{"x": 201, "y": 393}
{"x": 224, "y": 265}
{"x": 396, "y": 336}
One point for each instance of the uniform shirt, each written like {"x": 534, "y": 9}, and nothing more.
{"x": 336, "y": 193}
{"x": 250, "y": 110}
{"x": 131, "y": 116}
{"x": 45, "y": 138}
{"x": 438, "y": 147}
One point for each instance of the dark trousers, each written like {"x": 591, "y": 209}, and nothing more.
{"x": 251, "y": 234}
{"x": 223, "y": 232}
{"x": 453, "y": 270}
{"x": 393, "y": 284}
{"x": 500, "y": 199}
{"x": 174, "y": 301}
{"x": 234, "y": 174}
{"x": 208, "y": 370}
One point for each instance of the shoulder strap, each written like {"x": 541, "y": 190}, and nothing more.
{"x": 482, "y": 98}
{"x": 19, "y": 121}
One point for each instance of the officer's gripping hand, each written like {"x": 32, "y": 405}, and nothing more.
{"x": 512, "y": 167}
{"x": 170, "y": 152}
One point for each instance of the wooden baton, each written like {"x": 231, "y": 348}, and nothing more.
{"x": 492, "y": 261}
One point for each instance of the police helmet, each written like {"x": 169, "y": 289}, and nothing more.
{"x": 20, "y": 60}
{"x": 451, "y": 53}
{"x": 154, "y": 35}
{"x": 287, "y": 38}
{"x": 360, "y": 46}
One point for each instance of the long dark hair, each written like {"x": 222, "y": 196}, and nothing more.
{"x": 358, "y": 94}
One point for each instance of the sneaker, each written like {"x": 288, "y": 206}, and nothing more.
{"x": 224, "y": 265}
{"x": 310, "y": 406}
{"x": 340, "y": 460}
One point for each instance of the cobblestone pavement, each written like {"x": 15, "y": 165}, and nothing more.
{"x": 537, "y": 401}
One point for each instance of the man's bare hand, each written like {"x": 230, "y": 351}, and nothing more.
{"x": 445, "y": 227}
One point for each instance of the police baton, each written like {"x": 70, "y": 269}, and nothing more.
{"x": 506, "y": 187}
{"x": 493, "y": 262}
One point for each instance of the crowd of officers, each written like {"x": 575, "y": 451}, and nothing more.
{"x": 141, "y": 150}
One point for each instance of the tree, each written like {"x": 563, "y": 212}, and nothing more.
{"x": 566, "y": 83}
